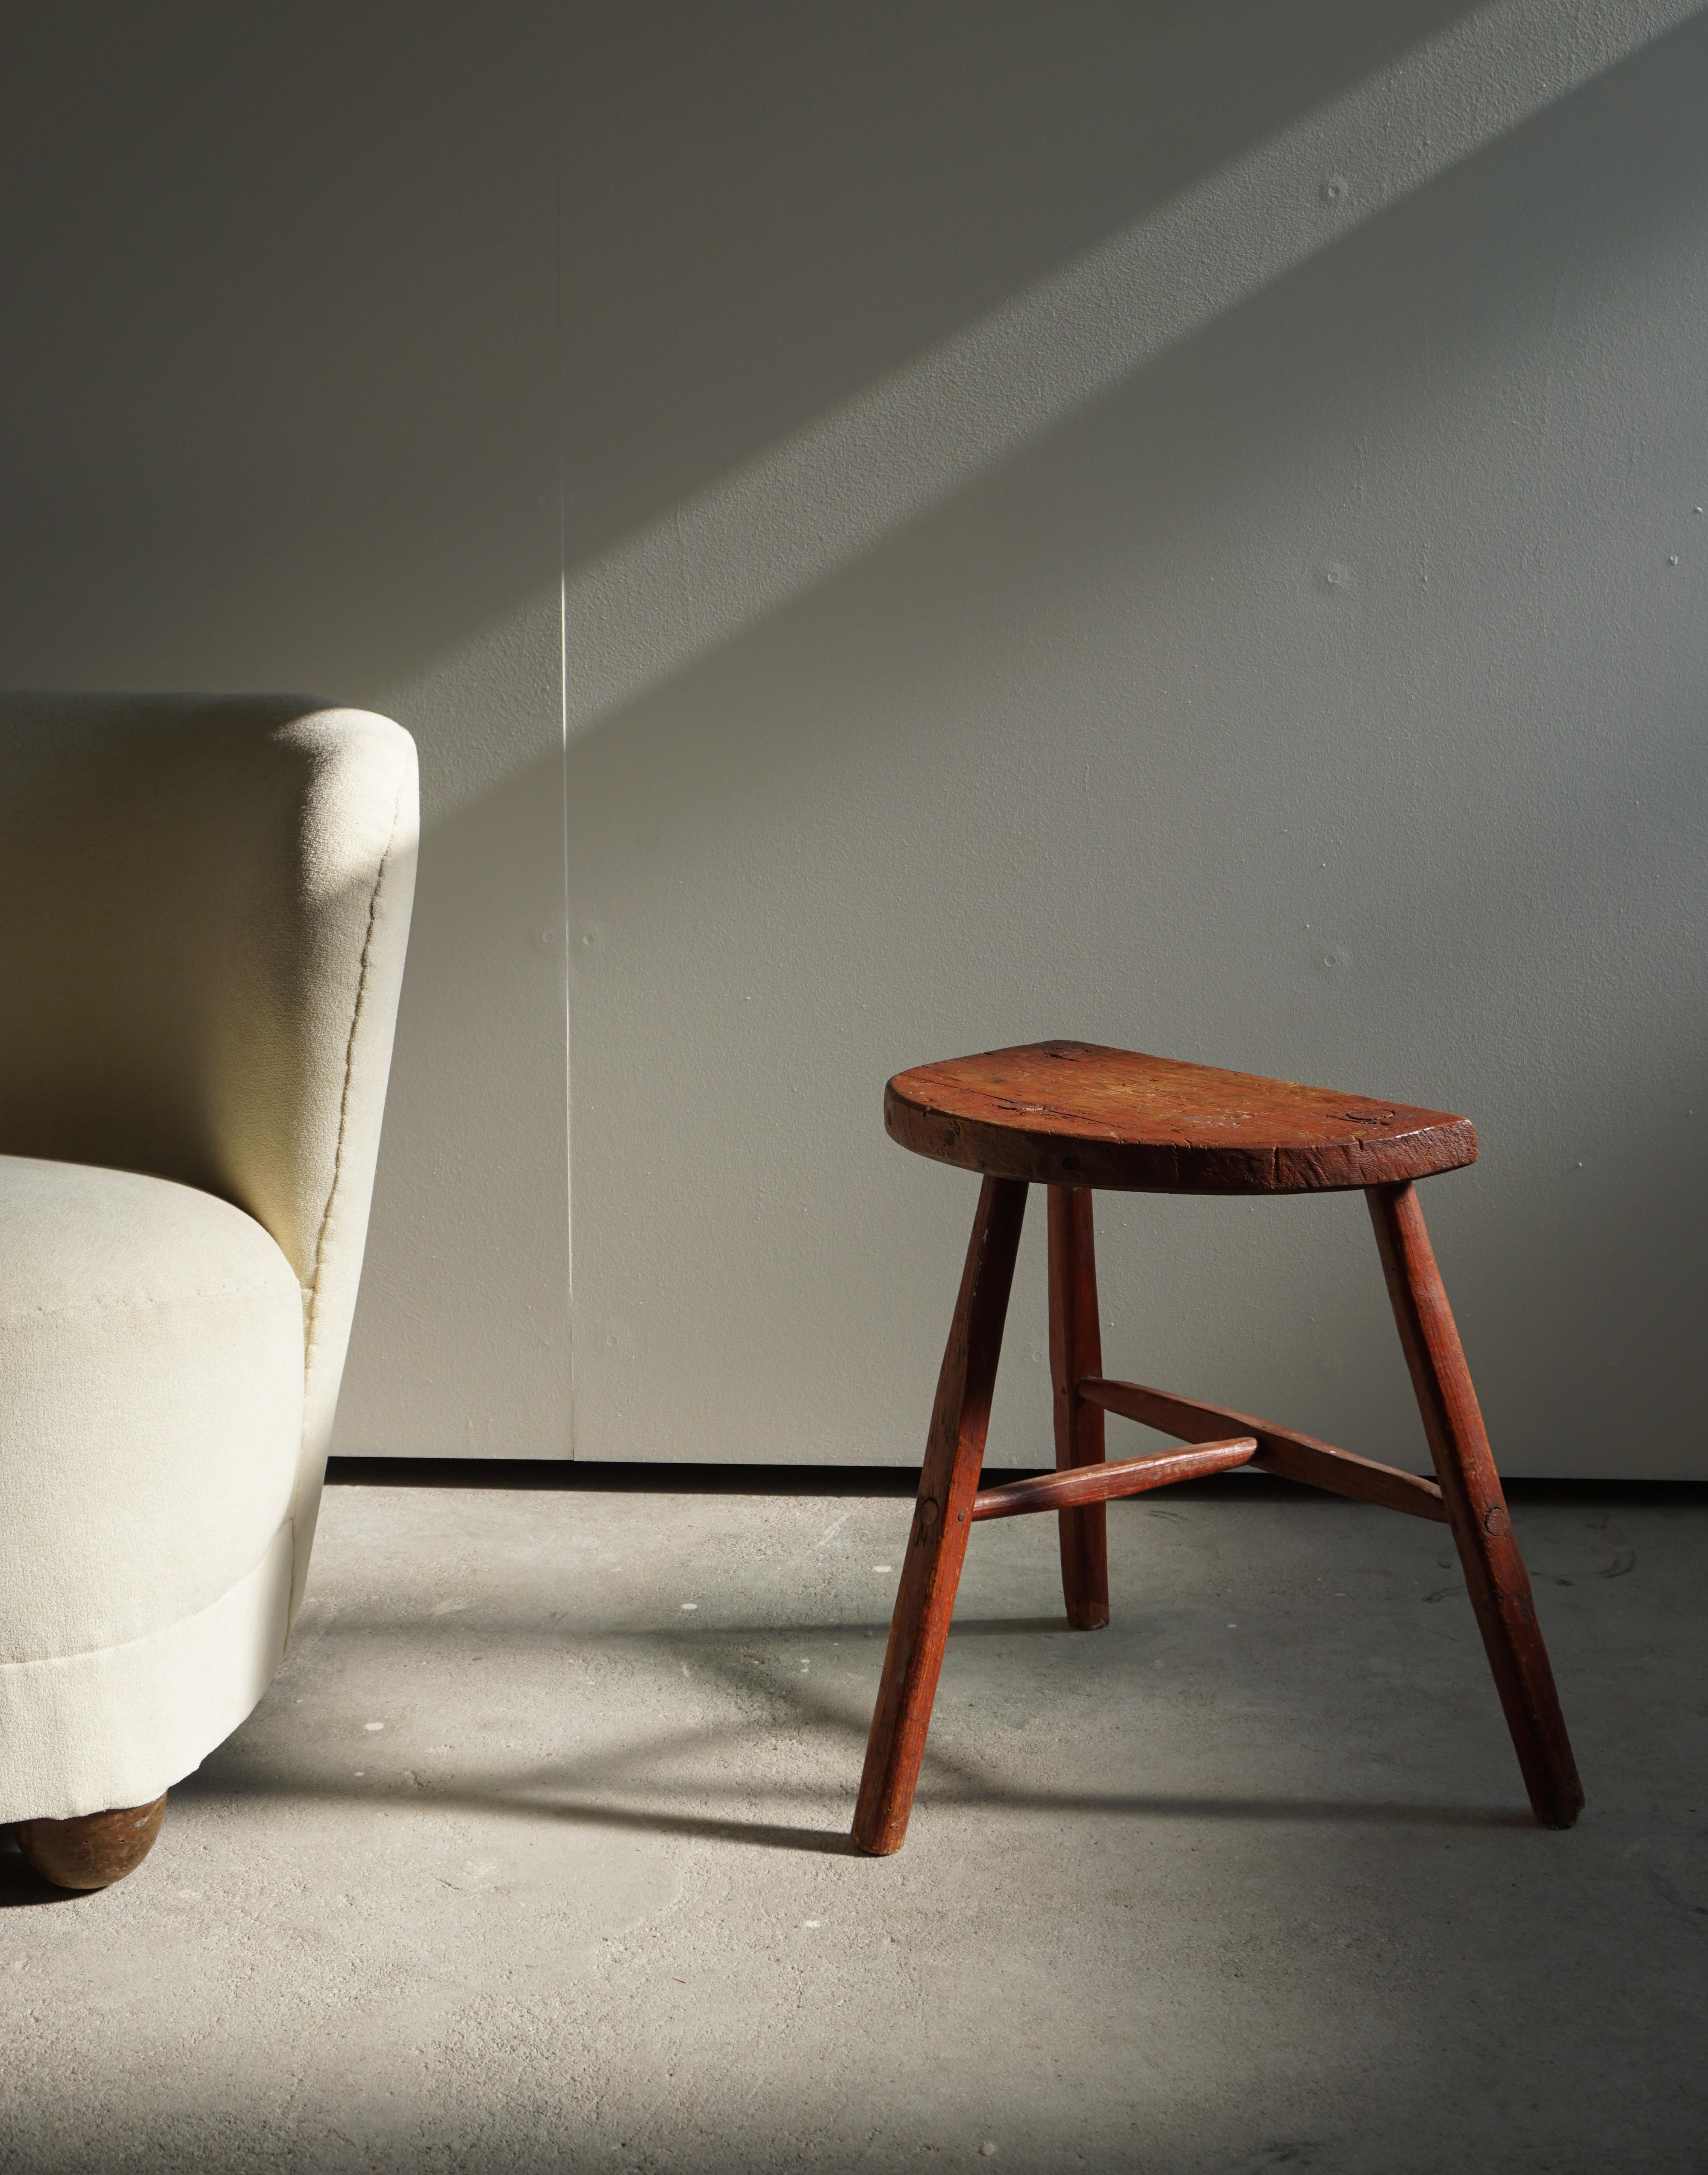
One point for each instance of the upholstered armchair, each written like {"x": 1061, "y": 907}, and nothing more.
{"x": 203, "y": 909}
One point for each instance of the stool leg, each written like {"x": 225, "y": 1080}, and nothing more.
{"x": 948, "y": 1482}
{"x": 1494, "y": 1572}
{"x": 1075, "y": 1350}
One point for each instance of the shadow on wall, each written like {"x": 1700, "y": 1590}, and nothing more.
{"x": 288, "y": 416}
{"x": 315, "y": 305}
{"x": 284, "y": 415}
{"x": 1322, "y": 701}
{"x": 1291, "y": 706}
{"x": 767, "y": 208}
{"x": 877, "y": 462}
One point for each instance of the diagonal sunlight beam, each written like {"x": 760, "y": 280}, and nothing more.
{"x": 725, "y": 558}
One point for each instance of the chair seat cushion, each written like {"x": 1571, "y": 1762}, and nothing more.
{"x": 151, "y": 1387}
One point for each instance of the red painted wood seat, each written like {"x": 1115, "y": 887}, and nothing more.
{"x": 1076, "y": 1118}
{"x": 1074, "y": 1114}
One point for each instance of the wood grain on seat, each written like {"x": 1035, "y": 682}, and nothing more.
{"x": 1075, "y": 1113}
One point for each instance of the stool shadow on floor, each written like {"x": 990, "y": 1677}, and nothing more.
{"x": 624, "y": 1787}
{"x": 768, "y": 1835}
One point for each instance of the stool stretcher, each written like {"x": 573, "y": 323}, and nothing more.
{"x": 1108, "y": 1483}
{"x": 1280, "y": 1451}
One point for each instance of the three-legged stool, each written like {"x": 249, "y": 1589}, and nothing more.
{"x": 1076, "y": 1118}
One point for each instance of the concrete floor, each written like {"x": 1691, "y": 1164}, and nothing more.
{"x": 533, "y": 1860}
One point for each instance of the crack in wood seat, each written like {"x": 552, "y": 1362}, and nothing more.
{"x": 1076, "y": 1114}
{"x": 1075, "y": 1117}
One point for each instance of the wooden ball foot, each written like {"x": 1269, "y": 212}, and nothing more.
{"x": 95, "y": 1851}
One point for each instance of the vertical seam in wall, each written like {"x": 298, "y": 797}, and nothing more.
{"x": 344, "y": 1101}
{"x": 559, "y": 409}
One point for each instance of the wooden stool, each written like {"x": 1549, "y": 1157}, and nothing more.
{"x": 1075, "y": 1118}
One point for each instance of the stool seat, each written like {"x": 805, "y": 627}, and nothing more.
{"x": 1076, "y": 1114}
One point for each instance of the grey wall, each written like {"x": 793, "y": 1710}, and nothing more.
{"x": 1168, "y": 524}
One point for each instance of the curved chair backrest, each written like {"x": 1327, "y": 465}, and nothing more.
{"x": 204, "y": 904}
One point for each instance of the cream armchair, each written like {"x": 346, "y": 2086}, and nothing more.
{"x": 204, "y": 910}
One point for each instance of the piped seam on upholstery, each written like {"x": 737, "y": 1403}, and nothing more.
{"x": 143, "y": 1638}
{"x": 159, "y": 1299}
{"x": 362, "y": 985}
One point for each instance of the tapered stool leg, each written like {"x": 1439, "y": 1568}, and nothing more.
{"x": 942, "y": 1514}
{"x": 1494, "y": 1572}
{"x": 1075, "y": 1350}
